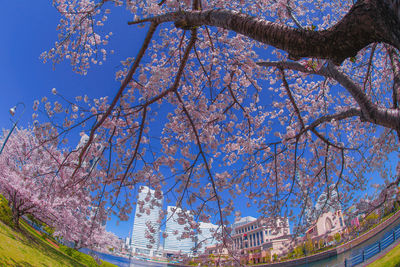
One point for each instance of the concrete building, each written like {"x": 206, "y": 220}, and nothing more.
{"x": 328, "y": 224}
{"x": 145, "y": 240}
{"x": 206, "y": 236}
{"x": 176, "y": 239}
{"x": 330, "y": 219}
{"x": 259, "y": 239}
{"x": 127, "y": 242}
{"x": 241, "y": 222}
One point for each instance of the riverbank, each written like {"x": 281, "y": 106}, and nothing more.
{"x": 342, "y": 249}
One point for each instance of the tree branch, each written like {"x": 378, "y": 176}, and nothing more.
{"x": 369, "y": 111}
{"x": 354, "y": 32}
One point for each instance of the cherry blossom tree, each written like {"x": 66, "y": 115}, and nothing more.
{"x": 272, "y": 102}
{"x": 35, "y": 178}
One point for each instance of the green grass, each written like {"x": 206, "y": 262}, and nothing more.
{"x": 18, "y": 249}
{"x": 28, "y": 248}
{"x": 391, "y": 259}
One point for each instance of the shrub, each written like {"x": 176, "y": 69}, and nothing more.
{"x": 321, "y": 243}
{"x": 299, "y": 251}
{"x": 337, "y": 237}
{"x": 309, "y": 246}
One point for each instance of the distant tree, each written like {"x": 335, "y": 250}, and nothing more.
{"x": 268, "y": 101}
{"x": 35, "y": 178}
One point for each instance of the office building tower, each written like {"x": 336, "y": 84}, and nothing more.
{"x": 146, "y": 240}
{"x": 206, "y": 236}
{"x": 127, "y": 242}
{"x": 176, "y": 225}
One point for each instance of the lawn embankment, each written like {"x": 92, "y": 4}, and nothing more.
{"x": 29, "y": 248}
{"x": 390, "y": 259}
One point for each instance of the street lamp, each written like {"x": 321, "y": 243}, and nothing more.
{"x": 12, "y": 112}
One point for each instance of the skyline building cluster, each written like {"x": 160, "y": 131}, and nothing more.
{"x": 183, "y": 236}
{"x": 178, "y": 235}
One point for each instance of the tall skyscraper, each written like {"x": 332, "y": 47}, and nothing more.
{"x": 148, "y": 210}
{"x": 206, "y": 238}
{"x": 175, "y": 226}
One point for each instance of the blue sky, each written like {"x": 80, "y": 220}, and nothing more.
{"x": 28, "y": 29}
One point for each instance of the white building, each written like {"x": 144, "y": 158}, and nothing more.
{"x": 206, "y": 236}
{"x": 328, "y": 224}
{"x": 328, "y": 219}
{"x": 242, "y": 221}
{"x": 269, "y": 234}
{"x": 127, "y": 242}
{"x": 146, "y": 240}
{"x": 176, "y": 225}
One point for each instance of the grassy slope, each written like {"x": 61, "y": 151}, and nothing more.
{"x": 391, "y": 259}
{"x": 16, "y": 249}
{"x": 29, "y": 249}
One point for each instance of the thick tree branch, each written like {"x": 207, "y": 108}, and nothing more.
{"x": 394, "y": 61}
{"x": 369, "y": 111}
{"x": 354, "y": 32}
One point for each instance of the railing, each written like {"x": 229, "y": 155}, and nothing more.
{"x": 373, "y": 249}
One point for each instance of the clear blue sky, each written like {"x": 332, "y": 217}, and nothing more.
{"x": 27, "y": 29}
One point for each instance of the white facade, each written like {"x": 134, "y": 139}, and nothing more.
{"x": 127, "y": 242}
{"x": 329, "y": 223}
{"x": 148, "y": 210}
{"x": 206, "y": 237}
{"x": 177, "y": 223}
{"x": 242, "y": 221}
{"x": 263, "y": 234}
{"x": 329, "y": 215}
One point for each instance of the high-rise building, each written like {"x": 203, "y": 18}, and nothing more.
{"x": 145, "y": 240}
{"x": 127, "y": 242}
{"x": 206, "y": 236}
{"x": 176, "y": 225}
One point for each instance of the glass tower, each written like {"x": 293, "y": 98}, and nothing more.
{"x": 175, "y": 226}
{"x": 148, "y": 210}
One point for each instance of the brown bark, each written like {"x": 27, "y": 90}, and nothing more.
{"x": 16, "y": 215}
{"x": 368, "y": 21}
{"x": 394, "y": 60}
{"x": 369, "y": 111}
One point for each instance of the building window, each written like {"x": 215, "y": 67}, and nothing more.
{"x": 328, "y": 225}
{"x": 341, "y": 221}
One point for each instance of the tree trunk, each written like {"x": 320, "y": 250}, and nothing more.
{"x": 16, "y": 215}
{"x": 368, "y": 21}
